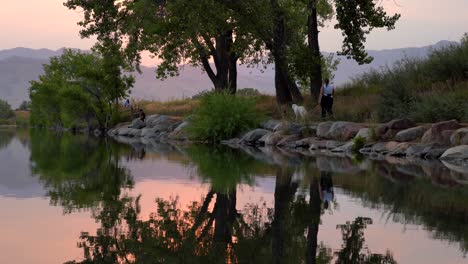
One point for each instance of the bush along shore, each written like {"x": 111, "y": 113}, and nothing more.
{"x": 399, "y": 138}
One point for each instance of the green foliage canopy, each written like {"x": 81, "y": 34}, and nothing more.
{"x": 78, "y": 88}
{"x": 5, "y": 110}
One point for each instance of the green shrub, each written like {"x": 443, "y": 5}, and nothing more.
{"x": 441, "y": 106}
{"x": 396, "y": 99}
{"x": 358, "y": 143}
{"x": 222, "y": 116}
{"x": 248, "y": 92}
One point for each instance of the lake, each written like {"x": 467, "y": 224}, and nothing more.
{"x": 76, "y": 199}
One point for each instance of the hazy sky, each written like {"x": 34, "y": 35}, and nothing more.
{"x": 48, "y": 24}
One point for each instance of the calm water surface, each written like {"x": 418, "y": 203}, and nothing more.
{"x": 74, "y": 199}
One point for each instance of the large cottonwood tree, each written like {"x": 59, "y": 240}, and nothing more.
{"x": 201, "y": 33}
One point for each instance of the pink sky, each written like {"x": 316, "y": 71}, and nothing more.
{"x": 48, "y": 24}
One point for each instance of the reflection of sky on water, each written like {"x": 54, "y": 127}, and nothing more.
{"x": 15, "y": 172}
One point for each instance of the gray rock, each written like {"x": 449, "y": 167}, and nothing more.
{"x": 456, "y": 153}
{"x": 156, "y": 120}
{"x": 181, "y": 126}
{"x": 150, "y": 133}
{"x": 420, "y": 150}
{"x": 317, "y": 144}
{"x": 137, "y": 123}
{"x": 346, "y": 148}
{"x": 133, "y": 132}
{"x": 400, "y": 149}
{"x": 262, "y": 140}
{"x": 288, "y": 141}
{"x": 332, "y": 144}
{"x": 150, "y": 119}
{"x": 270, "y": 124}
{"x": 253, "y": 136}
{"x": 410, "y": 134}
{"x": 343, "y": 131}
{"x": 435, "y": 153}
{"x": 385, "y": 147}
{"x": 459, "y": 137}
{"x": 323, "y": 128}
{"x": 364, "y": 133}
{"x": 123, "y": 131}
{"x": 272, "y": 139}
{"x": 305, "y": 142}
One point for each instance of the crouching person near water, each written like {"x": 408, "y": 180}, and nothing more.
{"x": 326, "y": 98}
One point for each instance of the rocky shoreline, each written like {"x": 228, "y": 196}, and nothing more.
{"x": 399, "y": 139}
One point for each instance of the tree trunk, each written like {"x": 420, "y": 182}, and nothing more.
{"x": 286, "y": 89}
{"x": 232, "y": 81}
{"x": 313, "y": 228}
{"x": 312, "y": 37}
{"x": 225, "y": 61}
{"x": 284, "y": 195}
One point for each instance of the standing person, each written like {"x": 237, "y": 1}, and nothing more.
{"x": 326, "y": 98}
{"x": 127, "y": 103}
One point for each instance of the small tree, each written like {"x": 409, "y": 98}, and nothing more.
{"x": 78, "y": 88}
{"x": 5, "y": 110}
{"x": 25, "y": 106}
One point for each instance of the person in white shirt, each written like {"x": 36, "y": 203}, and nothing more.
{"x": 326, "y": 98}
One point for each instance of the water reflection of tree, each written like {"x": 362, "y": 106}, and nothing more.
{"x": 79, "y": 172}
{"x": 213, "y": 230}
{"x": 6, "y": 136}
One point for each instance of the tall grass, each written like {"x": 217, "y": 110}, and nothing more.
{"x": 427, "y": 89}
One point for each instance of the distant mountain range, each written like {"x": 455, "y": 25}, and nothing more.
{"x": 19, "y": 66}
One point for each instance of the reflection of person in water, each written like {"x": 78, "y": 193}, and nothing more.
{"x": 326, "y": 188}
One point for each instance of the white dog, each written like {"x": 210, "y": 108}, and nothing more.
{"x": 299, "y": 111}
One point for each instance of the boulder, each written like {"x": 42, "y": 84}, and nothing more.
{"x": 425, "y": 151}
{"x": 332, "y": 144}
{"x": 137, "y": 123}
{"x": 323, "y": 128}
{"x": 253, "y": 136}
{"x": 305, "y": 142}
{"x": 181, "y": 126}
{"x": 385, "y": 147}
{"x": 456, "y": 153}
{"x": 459, "y": 137}
{"x": 364, "y": 133}
{"x": 435, "y": 133}
{"x": 346, "y": 148}
{"x": 400, "y": 149}
{"x": 288, "y": 141}
{"x": 272, "y": 139}
{"x": 390, "y": 129}
{"x": 150, "y": 119}
{"x": 123, "y": 131}
{"x": 154, "y": 120}
{"x": 133, "y": 132}
{"x": 179, "y": 133}
{"x": 146, "y": 132}
{"x": 270, "y": 124}
{"x": 410, "y": 134}
{"x": 343, "y": 130}
{"x": 318, "y": 144}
